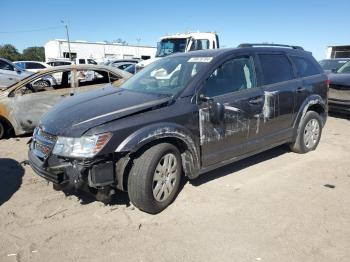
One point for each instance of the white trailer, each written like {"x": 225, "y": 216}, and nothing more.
{"x": 58, "y": 49}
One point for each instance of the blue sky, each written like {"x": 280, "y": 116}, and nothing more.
{"x": 311, "y": 24}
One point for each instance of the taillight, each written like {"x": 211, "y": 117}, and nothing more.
{"x": 328, "y": 81}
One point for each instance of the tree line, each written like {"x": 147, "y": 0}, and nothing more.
{"x": 33, "y": 53}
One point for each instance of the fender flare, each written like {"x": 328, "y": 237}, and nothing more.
{"x": 308, "y": 102}
{"x": 150, "y": 133}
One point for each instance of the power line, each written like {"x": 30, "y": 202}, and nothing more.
{"x": 30, "y": 31}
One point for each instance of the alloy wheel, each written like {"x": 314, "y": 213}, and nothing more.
{"x": 311, "y": 133}
{"x": 164, "y": 178}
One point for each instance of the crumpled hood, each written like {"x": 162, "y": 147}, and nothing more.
{"x": 339, "y": 79}
{"x": 75, "y": 115}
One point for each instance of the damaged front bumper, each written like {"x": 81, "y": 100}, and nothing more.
{"x": 98, "y": 174}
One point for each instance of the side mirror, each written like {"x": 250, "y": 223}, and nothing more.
{"x": 18, "y": 71}
{"x": 216, "y": 110}
{"x": 334, "y": 70}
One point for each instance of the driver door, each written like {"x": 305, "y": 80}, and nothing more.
{"x": 30, "y": 102}
{"x": 232, "y": 86}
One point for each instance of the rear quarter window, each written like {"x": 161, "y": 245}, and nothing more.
{"x": 305, "y": 66}
{"x": 275, "y": 68}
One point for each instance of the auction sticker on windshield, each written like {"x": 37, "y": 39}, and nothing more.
{"x": 200, "y": 59}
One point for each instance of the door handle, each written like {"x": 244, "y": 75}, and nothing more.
{"x": 256, "y": 100}
{"x": 300, "y": 89}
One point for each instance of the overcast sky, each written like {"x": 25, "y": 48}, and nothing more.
{"x": 311, "y": 24}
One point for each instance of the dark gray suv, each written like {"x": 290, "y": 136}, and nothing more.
{"x": 183, "y": 115}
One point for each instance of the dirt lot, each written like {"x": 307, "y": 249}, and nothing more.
{"x": 271, "y": 207}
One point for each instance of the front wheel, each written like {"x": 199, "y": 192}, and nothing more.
{"x": 155, "y": 178}
{"x": 309, "y": 134}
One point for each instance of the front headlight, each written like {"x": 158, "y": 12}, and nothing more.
{"x": 85, "y": 146}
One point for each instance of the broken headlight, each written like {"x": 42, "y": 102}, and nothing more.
{"x": 85, "y": 146}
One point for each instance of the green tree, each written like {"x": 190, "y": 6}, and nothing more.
{"x": 34, "y": 53}
{"x": 9, "y": 52}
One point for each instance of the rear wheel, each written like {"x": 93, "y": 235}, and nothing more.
{"x": 155, "y": 178}
{"x": 309, "y": 134}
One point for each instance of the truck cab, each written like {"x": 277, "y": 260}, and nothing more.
{"x": 182, "y": 43}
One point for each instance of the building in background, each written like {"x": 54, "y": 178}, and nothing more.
{"x": 58, "y": 49}
{"x": 338, "y": 51}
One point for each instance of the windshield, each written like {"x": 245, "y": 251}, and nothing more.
{"x": 332, "y": 64}
{"x": 345, "y": 69}
{"x": 171, "y": 45}
{"x": 167, "y": 76}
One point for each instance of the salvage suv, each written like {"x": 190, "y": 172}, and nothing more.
{"x": 183, "y": 115}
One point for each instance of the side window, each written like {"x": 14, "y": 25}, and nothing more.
{"x": 275, "y": 68}
{"x": 49, "y": 82}
{"x": 304, "y": 66}
{"x": 6, "y": 66}
{"x": 123, "y": 66}
{"x": 81, "y": 61}
{"x": 200, "y": 44}
{"x": 91, "y": 61}
{"x": 234, "y": 75}
{"x": 92, "y": 77}
{"x": 30, "y": 65}
{"x": 21, "y": 65}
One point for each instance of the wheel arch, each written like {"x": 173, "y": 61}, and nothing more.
{"x": 7, "y": 124}
{"x": 312, "y": 103}
{"x": 147, "y": 137}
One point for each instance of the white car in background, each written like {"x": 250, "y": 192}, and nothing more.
{"x": 31, "y": 66}
{"x": 10, "y": 73}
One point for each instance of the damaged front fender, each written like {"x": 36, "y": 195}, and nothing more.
{"x": 154, "y": 132}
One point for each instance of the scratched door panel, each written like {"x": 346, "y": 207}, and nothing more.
{"x": 278, "y": 110}
{"x": 227, "y": 140}
{"x": 279, "y": 85}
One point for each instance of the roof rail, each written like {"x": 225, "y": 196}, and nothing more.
{"x": 278, "y": 45}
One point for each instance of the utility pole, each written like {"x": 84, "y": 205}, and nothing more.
{"x": 138, "y": 47}
{"x": 67, "y": 33}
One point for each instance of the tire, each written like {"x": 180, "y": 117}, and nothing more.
{"x": 154, "y": 178}
{"x": 309, "y": 134}
{"x": 2, "y": 129}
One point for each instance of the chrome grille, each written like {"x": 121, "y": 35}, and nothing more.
{"x": 43, "y": 143}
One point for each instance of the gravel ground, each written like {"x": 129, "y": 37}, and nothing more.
{"x": 276, "y": 206}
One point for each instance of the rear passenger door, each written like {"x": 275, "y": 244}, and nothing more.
{"x": 233, "y": 85}
{"x": 279, "y": 86}
{"x": 310, "y": 80}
